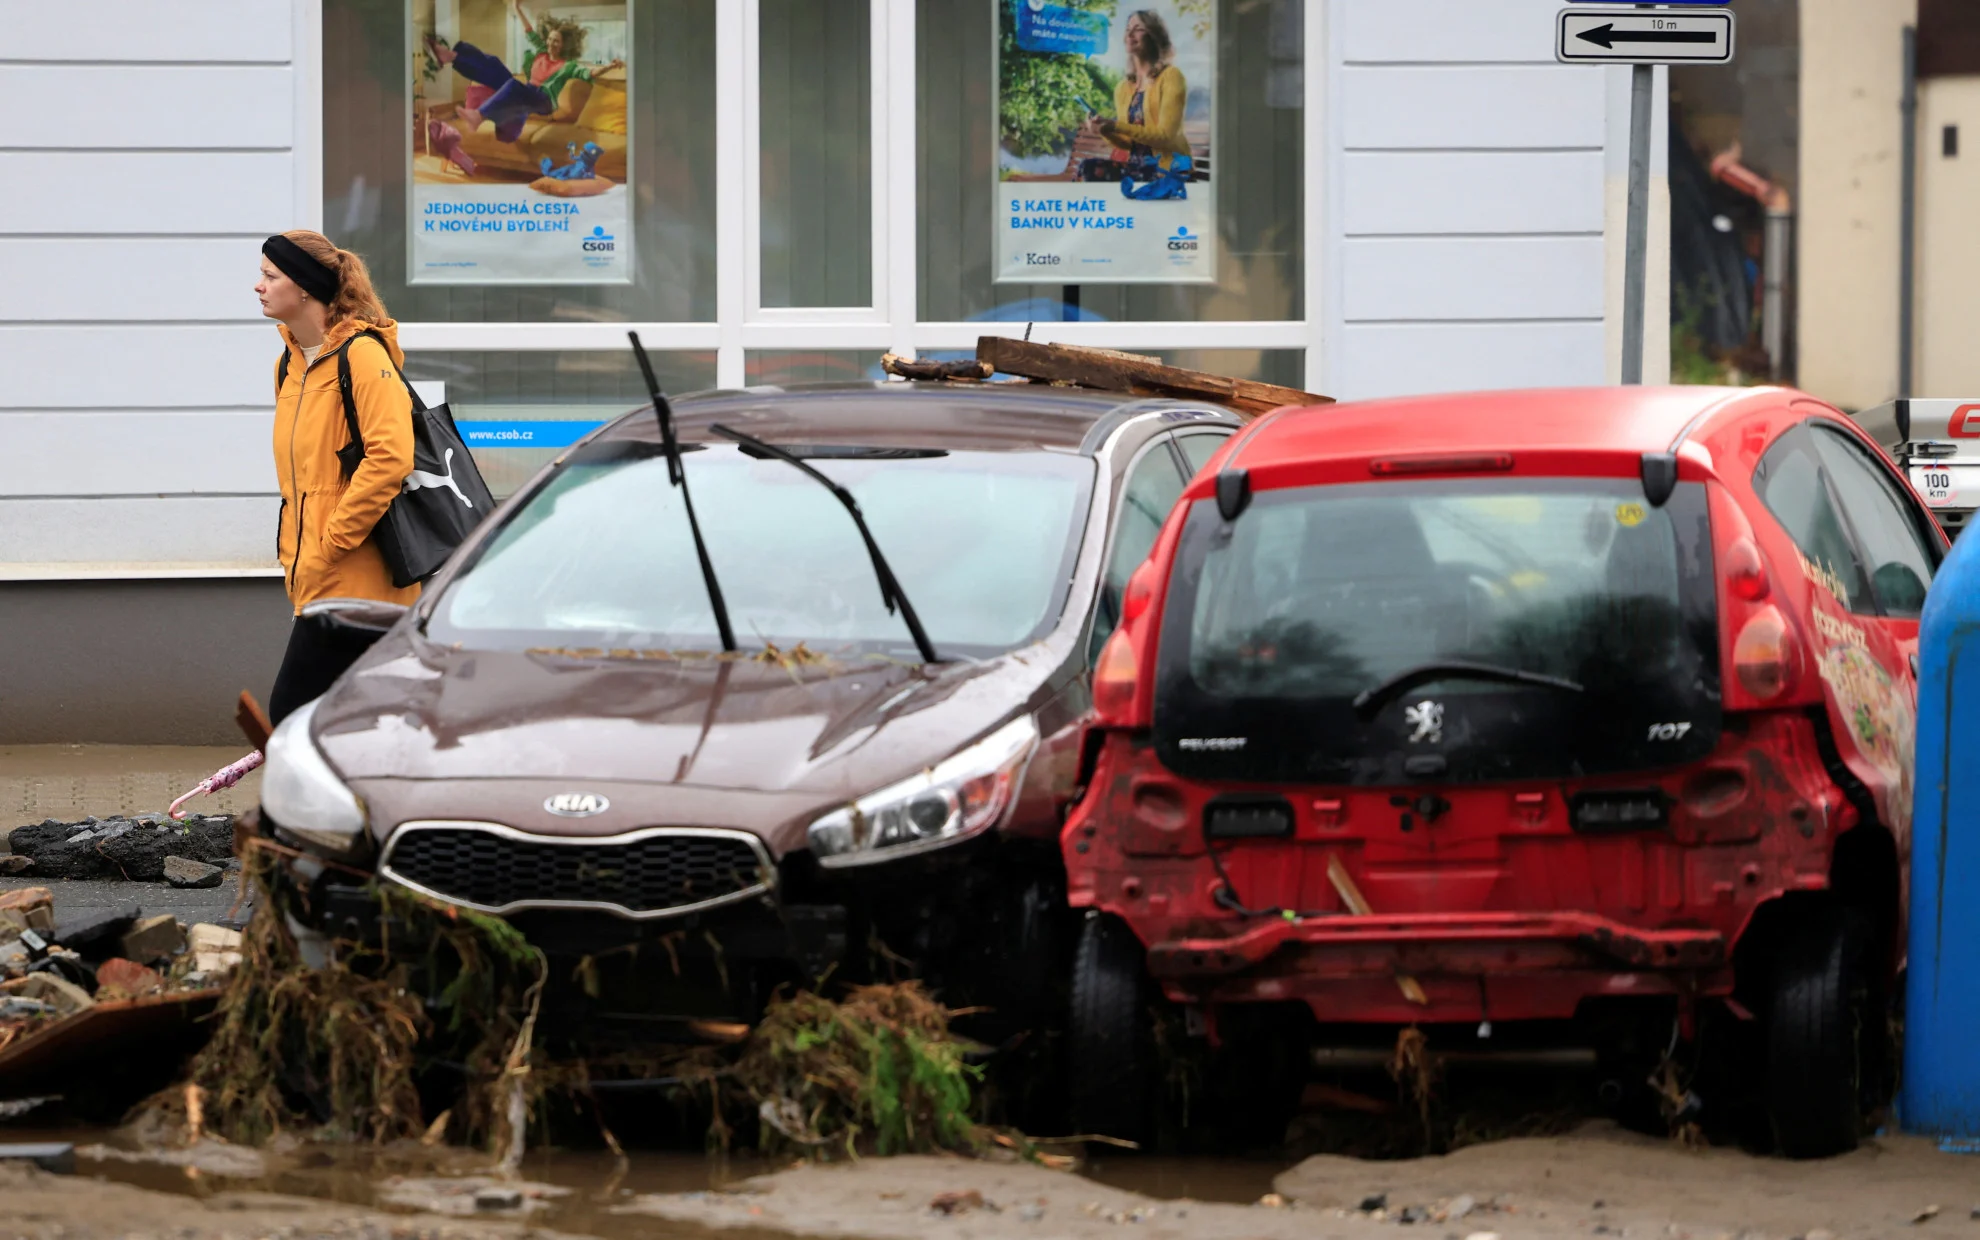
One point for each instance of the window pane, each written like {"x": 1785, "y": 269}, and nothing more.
{"x": 1900, "y": 567}
{"x": 517, "y": 411}
{"x": 783, "y": 367}
{"x": 1199, "y": 448}
{"x": 1153, "y": 487}
{"x": 672, "y": 159}
{"x": 1259, "y": 160}
{"x": 817, "y": 162}
{"x": 1790, "y": 482}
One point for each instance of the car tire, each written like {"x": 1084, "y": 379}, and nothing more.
{"x": 1817, "y": 1037}
{"x": 1112, "y": 1044}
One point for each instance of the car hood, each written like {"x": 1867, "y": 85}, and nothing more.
{"x": 747, "y": 742}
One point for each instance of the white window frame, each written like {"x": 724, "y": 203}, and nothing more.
{"x": 743, "y": 324}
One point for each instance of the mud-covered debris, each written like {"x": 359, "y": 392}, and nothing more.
{"x": 59, "y": 992}
{"x": 1373, "y": 1202}
{"x": 959, "y": 1202}
{"x": 1413, "y": 1214}
{"x": 151, "y": 939}
{"x": 130, "y": 848}
{"x": 1272, "y": 1201}
{"x": 185, "y": 872}
{"x": 118, "y": 978}
{"x": 216, "y": 950}
{"x": 14, "y": 863}
{"x": 881, "y": 1065}
{"x": 1031, "y": 1211}
{"x": 26, "y": 908}
{"x": 466, "y": 1195}
{"x": 95, "y": 932}
{"x": 1465, "y": 1203}
{"x": 1483, "y": 1235}
{"x": 1926, "y": 1215}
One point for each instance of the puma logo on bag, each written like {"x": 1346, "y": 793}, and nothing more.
{"x": 419, "y": 478}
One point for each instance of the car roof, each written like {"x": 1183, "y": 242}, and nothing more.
{"x": 1607, "y": 419}
{"x": 988, "y": 417}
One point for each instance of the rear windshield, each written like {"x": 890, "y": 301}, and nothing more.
{"x": 982, "y": 542}
{"x": 1276, "y": 622}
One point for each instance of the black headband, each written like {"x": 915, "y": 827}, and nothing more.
{"x": 296, "y": 263}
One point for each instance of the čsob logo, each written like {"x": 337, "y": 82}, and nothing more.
{"x": 1184, "y": 239}
{"x": 598, "y": 240}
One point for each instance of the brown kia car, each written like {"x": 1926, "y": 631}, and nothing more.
{"x": 870, "y": 780}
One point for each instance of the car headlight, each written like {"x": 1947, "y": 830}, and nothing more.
{"x": 302, "y": 795}
{"x": 964, "y": 795}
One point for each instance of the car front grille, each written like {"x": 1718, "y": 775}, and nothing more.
{"x": 652, "y": 873}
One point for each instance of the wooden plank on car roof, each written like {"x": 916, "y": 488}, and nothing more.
{"x": 1135, "y": 374}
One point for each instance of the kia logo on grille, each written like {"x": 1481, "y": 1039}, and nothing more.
{"x": 576, "y": 804}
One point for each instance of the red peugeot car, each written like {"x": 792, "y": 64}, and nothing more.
{"x": 1586, "y": 713}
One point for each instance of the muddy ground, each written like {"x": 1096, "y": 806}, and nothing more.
{"x": 1595, "y": 1182}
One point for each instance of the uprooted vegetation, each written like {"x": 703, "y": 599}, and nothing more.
{"x": 431, "y": 1033}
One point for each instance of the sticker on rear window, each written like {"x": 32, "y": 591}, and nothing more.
{"x": 1629, "y": 516}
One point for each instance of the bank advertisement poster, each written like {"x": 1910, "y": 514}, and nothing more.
{"x": 1105, "y": 111}
{"x": 519, "y": 144}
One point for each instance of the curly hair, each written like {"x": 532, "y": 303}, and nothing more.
{"x": 573, "y": 34}
{"x": 1158, "y": 34}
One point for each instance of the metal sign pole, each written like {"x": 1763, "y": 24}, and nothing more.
{"x": 1642, "y": 36}
{"x": 1636, "y": 238}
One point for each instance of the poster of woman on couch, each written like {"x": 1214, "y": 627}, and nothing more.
{"x": 519, "y": 141}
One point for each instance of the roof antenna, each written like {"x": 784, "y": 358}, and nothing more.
{"x": 664, "y": 412}
{"x": 1027, "y": 333}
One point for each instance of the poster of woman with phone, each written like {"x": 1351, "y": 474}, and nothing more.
{"x": 1105, "y": 118}
{"x": 1151, "y": 153}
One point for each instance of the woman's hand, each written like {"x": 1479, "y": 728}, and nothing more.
{"x": 1094, "y": 127}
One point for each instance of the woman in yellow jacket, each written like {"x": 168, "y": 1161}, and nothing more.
{"x": 1147, "y": 125}
{"x": 322, "y": 299}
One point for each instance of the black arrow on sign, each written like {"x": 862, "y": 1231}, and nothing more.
{"x": 1608, "y": 37}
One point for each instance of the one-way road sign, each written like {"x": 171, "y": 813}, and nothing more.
{"x": 1644, "y": 36}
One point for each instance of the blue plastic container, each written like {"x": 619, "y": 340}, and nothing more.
{"x": 1941, "y": 1093}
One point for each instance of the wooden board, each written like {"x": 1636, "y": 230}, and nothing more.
{"x": 1135, "y": 374}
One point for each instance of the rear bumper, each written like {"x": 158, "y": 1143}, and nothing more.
{"x": 1442, "y": 966}
{"x": 1442, "y": 942}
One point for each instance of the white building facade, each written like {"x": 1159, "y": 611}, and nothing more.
{"x": 1412, "y": 197}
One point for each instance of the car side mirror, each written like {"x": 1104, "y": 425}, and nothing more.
{"x": 1899, "y": 587}
{"x": 1233, "y": 493}
{"x": 359, "y": 615}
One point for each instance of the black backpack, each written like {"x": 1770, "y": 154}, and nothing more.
{"x": 444, "y": 497}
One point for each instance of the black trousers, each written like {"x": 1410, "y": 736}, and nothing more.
{"x": 320, "y": 650}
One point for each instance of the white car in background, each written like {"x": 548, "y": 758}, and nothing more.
{"x": 1937, "y": 445}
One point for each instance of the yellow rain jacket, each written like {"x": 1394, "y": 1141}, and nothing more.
{"x": 323, "y": 536}
{"x": 1165, "y": 97}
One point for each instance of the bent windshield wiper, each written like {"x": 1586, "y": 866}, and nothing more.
{"x": 890, "y": 588}
{"x": 1369, "y": 702}
{"x": 664, "y": 412}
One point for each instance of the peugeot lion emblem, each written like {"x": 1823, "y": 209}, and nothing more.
{"x": 1427, "y": 718}
{"x": 576, "y": 804}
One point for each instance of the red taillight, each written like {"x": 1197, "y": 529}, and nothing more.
{"x": 1114, "y": 679}
{"x": 1746, "y": 572}
{"x": 1472, "y": 463}
{"x": 1140, "y": 592}
{"x": 1765, "y": 657}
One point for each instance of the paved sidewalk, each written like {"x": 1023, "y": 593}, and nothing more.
{"x": 71, "y": 782}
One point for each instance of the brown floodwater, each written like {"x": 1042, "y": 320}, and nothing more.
{"x": 595, "y": 1180}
